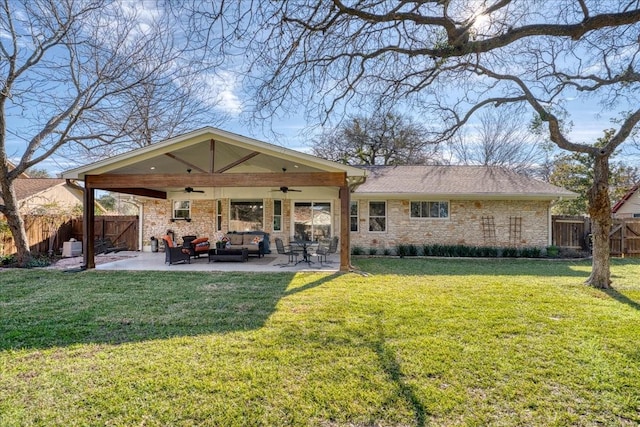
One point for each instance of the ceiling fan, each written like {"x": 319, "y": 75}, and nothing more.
{"x": 191, "y": 190}
{"x": 285, "y": 190}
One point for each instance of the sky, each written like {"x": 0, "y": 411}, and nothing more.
{"x": 292, "y": 131}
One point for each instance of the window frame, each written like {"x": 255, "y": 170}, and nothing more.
{"x": 429, "y": 217}
{"x": 277, "y": 215}
{"x": 218, "y": 215}
{"x": 353, "y": 216}
{"x": 174, "y": 210}
{"x": 260, "y": 202}
{"x": 371, "y": 216}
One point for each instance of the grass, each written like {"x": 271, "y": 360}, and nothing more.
{"x": 416, "y": 342}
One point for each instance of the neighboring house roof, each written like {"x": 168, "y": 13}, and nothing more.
{"x": 456, "y": 182}
{"x": 13, "y": 166}
{"x": 620, "y": 203}
{"x": 29, "y": 187}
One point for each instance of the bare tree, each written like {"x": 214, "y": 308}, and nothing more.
{"x": 501, "y": 138}
{"x": 65, "y": 65}
{"x": 381, "y": 139}
{"x": 450, "y": 59}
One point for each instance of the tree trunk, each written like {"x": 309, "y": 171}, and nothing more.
{"x": 16, "y": 225}
{"x": 600, "y": 212}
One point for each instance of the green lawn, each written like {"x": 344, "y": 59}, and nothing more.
{"x": 414, "y": 342}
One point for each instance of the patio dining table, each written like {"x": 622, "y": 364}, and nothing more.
{"x": 304, "y": 245}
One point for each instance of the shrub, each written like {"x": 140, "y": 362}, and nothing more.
{"x": 373, "y": 251}
{"x": 488, "y": 252}
{"x": 510, "y": 252}
{"x": 357, "y": 250}
{"x": 386, "y": 251}
{"x": 7, "y": 259}
{"x": 552, "y": 251}
{"x": 412, "y": 250}
{"x": 402, "y": 250}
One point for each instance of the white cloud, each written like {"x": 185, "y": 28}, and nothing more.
{"x": 221, "y": 93}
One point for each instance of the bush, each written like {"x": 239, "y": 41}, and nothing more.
{"x": 413, "y": 250}
{"x": 373, "y": 251}
{"x": 510, "y": 252}
{"x": 487, "y": 252}
{"x": 386, "y": 251}
{"x": 402, "y": 251}
{"x": 357, "y": 250}
{"x": 552, "y": 251}
{"x": 7, "y": 259}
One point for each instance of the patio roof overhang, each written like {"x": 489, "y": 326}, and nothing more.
{"x": 213, "y": 158}
{"x": 210, "y": 157}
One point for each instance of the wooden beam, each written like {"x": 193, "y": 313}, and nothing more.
{"x": 146, "y": 192}
{"x": 212, "y": 156}
{"x": 237, "y": 162}
{"x": 306, "y": 179}
{"x": 345, "y": 227}
{"x": 194, "y": 167}
{"x": 88, "y": 228}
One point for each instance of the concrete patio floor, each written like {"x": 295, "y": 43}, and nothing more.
{"x": 151, "y": 261}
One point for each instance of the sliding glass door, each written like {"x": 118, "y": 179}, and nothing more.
{"x": 311, "y": 220}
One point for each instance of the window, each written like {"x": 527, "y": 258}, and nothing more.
{"x": 311, "y": 220}
{"x": 353, "y": 215}
{"x": 429, "y": 209}
{"x": 246, "y": 215}
{"x": 181, "y": 209}
{"x": 219, "y": 216}
{"x": 636, "y": 215}
{"x": 277, "y": 215}
{"x": 377, "y": 216}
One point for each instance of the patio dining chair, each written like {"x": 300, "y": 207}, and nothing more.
{"x": 321, "y": 251}
{"x": 286, "y": 250}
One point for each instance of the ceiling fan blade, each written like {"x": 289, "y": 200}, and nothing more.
{"x": 191, "y": 190}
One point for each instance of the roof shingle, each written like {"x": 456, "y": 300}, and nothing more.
{"x": 456, "y": 181}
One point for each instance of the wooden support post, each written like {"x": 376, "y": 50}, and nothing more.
{"x": 345, "y": 228}
{"x": 88, "y": 228}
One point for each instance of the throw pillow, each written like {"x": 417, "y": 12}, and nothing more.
{"x": 168, "y": 241}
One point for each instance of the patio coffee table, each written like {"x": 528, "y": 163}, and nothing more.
{"x": 241, "y": 255}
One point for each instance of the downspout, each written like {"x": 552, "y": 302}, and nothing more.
{"x": 550, "y": 225}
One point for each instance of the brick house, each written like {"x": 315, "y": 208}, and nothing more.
{"x": 629, "y": 205}
{"x": 466, "y": 205}
{"x": 209, "y": 181}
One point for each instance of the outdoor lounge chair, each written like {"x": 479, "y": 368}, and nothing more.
{"x": 197, "y": 246}
{"x": 174, "y": 254}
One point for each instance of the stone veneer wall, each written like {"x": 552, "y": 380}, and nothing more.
{"x": 463, "y": 227}
{"x": 157, "y": 219}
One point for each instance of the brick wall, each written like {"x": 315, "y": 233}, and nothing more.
{"x": 157, "y": 219}
{"x": 464, "y": 225}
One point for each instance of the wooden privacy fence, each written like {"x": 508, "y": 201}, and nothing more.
{"x": 47, "y": 235}
{"x": 573, "y": 232}
{"x": 625, "y": 237}
{"x": 569, "y": 231}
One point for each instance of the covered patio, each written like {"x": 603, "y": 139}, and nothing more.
{"x": 197, "y": 183}
{"x": 149, "y": 261}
